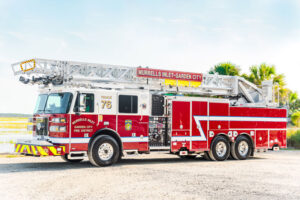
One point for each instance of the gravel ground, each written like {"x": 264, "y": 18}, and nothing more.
{"x": 272, "y": 175}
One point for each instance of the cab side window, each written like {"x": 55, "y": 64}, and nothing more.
{"x": 86, "y": 103}
{"x": 128, "y": 104}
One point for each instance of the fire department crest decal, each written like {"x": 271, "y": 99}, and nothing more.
{"x": 128, "y": 125}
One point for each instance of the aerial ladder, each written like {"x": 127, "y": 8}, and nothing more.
{"x": 55, "y": 73}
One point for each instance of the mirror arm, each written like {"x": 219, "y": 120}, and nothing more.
{"x": 77, "y": 103}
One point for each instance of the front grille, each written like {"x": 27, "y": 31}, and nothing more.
{"x": 41, "y": 126}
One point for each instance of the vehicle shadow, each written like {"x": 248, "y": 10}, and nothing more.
{"x": 60, "y": 166}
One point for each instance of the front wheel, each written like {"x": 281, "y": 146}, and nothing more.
{"x": 220, "y": 149}
{"x": 104, "y": 151}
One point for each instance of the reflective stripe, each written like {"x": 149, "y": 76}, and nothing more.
{"x": 135, "y": 139}
{"x": 41, "y": 151}
{"x": 86, "y": 140}
{"x": 53, "y": 150}
{"x": 18, "y": 147}
{"x": 186, "y": 138}
{"x": 33, "y": 150}
{"x": 22, "y": 148}
{"x": 28, "y": 149}
{"x": 66, "y": 140}
{"x": 242, "y": 118}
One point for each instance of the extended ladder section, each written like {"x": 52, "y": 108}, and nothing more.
{"x": 79, "y": 74}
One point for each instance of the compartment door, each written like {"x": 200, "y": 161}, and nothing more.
{"x": 181, "y": 116}
{"x": 261, "y": 138}
{"x": 199, "y": 125}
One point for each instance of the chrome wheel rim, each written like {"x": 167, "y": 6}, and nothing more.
{"x": 221, "y": 149}
{"x": 243, "y": 148}
{"x": 105, "y": 151}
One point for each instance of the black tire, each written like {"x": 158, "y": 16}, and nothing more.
{"x": 110, "y": 150}
{"x": 239, "y": 154}
{"x": 213, "y": 153}
{"x": 65, "y": 158}
{"x": 206, "y": 156}
{"x": 232, "y": 152}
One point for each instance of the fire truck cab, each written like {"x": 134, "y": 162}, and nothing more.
{"x": 145, "y": 111}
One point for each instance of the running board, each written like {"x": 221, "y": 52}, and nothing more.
{"x": 77, "y": 155}
{"x": 130, "y": 153}
{"x": 160, "y": 148}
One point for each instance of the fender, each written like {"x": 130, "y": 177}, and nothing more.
{"x": 110, "y": 132}
{"x": 221, "y": 134}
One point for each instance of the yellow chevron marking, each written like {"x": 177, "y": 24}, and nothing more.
{"x": 18, "y": 147}
{"x": 22, "y": 148}
{"x": 53, "y": 150}
{"x": 41, "y": 151}
{"x": 63, "y": 148}
{"x": 33, "y": 150}
{"x": 28, "y": 149}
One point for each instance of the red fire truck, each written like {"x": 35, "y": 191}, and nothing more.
{"x": 104, "y": 112}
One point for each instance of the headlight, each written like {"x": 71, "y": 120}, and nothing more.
{"x": 58, "y": 120}
{"x": 58, "y": 128}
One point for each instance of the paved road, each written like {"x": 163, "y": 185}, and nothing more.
{"x": 275, "y": 175}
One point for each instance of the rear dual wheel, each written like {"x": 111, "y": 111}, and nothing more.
{"x": 241, "y": 148}
{"x": 220, "y": 149}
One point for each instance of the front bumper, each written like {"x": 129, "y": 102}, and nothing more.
{"x": 39, "y": 148}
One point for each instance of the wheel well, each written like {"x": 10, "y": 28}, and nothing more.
{"x": 109, "y": 132}
{"x": 222, "y": 135}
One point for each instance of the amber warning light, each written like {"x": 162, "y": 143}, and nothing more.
{"x": 27, "y": 65}
{"x": 166, "y": 74}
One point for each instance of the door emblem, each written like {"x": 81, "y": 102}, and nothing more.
{"x": 128, "y": 125}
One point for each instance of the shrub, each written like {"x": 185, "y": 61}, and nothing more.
{"x": 294, "y": 139}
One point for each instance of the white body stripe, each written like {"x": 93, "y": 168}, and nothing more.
{"x": 199, "y": 127}
{"x": 186, "y": 138}
{"x": 245, "y": 119}
{"x": 86, "y": 140}
{"x": 135, "y": 139}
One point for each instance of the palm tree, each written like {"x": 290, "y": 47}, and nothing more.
{"x": 225, "y": 69}
{"x": 264, "y": 72}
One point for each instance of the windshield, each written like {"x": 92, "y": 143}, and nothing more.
{"x": 53, "y": 103}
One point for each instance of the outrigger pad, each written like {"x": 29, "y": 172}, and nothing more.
{"x": 39, "y": 148}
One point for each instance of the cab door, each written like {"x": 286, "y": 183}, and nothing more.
{"x": 133, "y": 121}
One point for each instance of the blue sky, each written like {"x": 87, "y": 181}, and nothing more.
{"x": 182, "y": 35}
